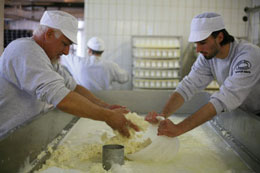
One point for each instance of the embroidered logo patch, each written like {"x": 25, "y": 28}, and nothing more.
{"x": 243, "y": 66}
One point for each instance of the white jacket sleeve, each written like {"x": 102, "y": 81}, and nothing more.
{"x": 118, "y": 74}
{"x": 31, "y": 71}
{"x": 243, "y": 77}
{"x": 198, "y": 79}
{"x": 69, "y": 81}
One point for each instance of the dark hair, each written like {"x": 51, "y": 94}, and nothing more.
{"x": 96, "y": 52}
{"x": 227, "y": 38}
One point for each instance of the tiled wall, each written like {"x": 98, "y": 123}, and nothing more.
{"x": 1, "y": 26}
{"x": 254, "y": 30}
{"x": 116, "y": 21}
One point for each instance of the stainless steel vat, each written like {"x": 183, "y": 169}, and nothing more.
{"x": 238, "y": 128}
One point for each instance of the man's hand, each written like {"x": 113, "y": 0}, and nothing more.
{"x": 111, "y": 107}
{"x": 151, "y": 117}
{"x": 117, "y": 121}
{"x": 167, "y": 128}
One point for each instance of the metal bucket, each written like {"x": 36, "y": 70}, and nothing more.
{"x": 112, "y": 154}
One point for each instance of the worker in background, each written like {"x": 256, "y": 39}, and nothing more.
{"x": 31, "y": 79}
{"x": 93, "y": 72}
{"x": 234, "y": 64}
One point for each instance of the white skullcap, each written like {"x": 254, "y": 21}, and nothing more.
{"x": 96, "y": 44}
{"x": 62, "y": 21}
{"x": 203, "y": 25}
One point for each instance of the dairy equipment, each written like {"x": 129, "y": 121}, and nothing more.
{"x": 156, "y": 62}
{"x": 238, "y": 128}
{"x": 112, "y": 153}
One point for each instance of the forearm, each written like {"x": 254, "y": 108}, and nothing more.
{"x": 174, "y": 103}
{"x": 204, "y": 114}
{"x": 91, "y": 97}
{"x": 80, "y": 106}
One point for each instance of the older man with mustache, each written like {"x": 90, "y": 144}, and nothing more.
{"x": 31, "y": 79}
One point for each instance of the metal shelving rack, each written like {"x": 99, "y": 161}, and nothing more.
{"x": 156, "y": 62}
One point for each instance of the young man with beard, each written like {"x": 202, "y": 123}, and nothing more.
{"x": 234, "y": 64}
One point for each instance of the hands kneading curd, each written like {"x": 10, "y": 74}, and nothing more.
{"x": 118, "y": 121}
{"x": 166, "y": 127}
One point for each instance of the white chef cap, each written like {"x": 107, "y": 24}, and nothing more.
{"x": 96, "y": 44}
{"x": 62, "y": 21}
{"x": 203, "y": 25}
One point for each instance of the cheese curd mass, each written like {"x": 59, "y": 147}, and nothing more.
{"x": 200, "y": 151}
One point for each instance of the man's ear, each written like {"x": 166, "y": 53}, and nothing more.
{"x": 89, "y": 51}
{"x": 220, "y": 37}
{"x": 49, "y": 34}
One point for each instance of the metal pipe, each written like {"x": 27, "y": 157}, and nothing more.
{"x": 252, "y": 10}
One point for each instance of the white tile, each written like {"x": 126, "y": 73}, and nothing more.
{"x": 180, "y": 28}
{"x": 104, "y": 27}
{"x": 250, "y": 3}
{"x": 142, "y": 28}
{"x": 120, "y": 27}
{"x": 182, "y": 14}
{"x": 89, "y": 26}
{"x": 135, "y": 2}
{"x": 150, "y": 13}
{"x": 96, "y": 11}
{"x": 166, "y": 13}
{"x": 120, "y": 12}
{"x": 220, "y": 4}
{"x": 128, "y": 12}
{"x": 142, "y": 13}
{"x": 112, "y": 27}
{"x": 189, "y": 14}
{"x": 157, "y": 13}
{"x": 204, "y": 3}
{"x": 174, "y": 3}
{"x": 135, "y": 27}
{"x": 112, "y": 11}
{"x": 135, "y": 12}
{"x": 235, "y": 16}
{"x": 234, "y": 4}
{"x": 127, "y": 27}
{"x": 228, "y": 4}
{"x": 182, "y": 4}
{"x": 234, "y": 30}
{"x": 173, "y": 29}
{"x": 212, "y": 4}
{"x": 156, "y": 3}
{"x": 256, "y": 2}
{"x": 90, "y": 12}
{"x": 164, "y": 28}
{"x": 190, "y": 3}
{"x": 242, "y": 30}
{"x": 203, "y": 10}
{"x": 105, "y": 11}
{"x": 150, "y": 28}
{"x": 173, "y": 15}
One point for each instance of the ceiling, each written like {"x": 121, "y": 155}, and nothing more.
{"x": 33, "y": 9}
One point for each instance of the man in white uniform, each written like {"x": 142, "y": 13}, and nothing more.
{"x": 94, "y": 72}
{"x": 234, "y": 64}
{"x": 31, "y": 79}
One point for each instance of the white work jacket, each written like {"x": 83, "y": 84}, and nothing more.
{"x": 29, "y": 83}
{"x": 93, "y": 72}
{"x": 238, "y": 76}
